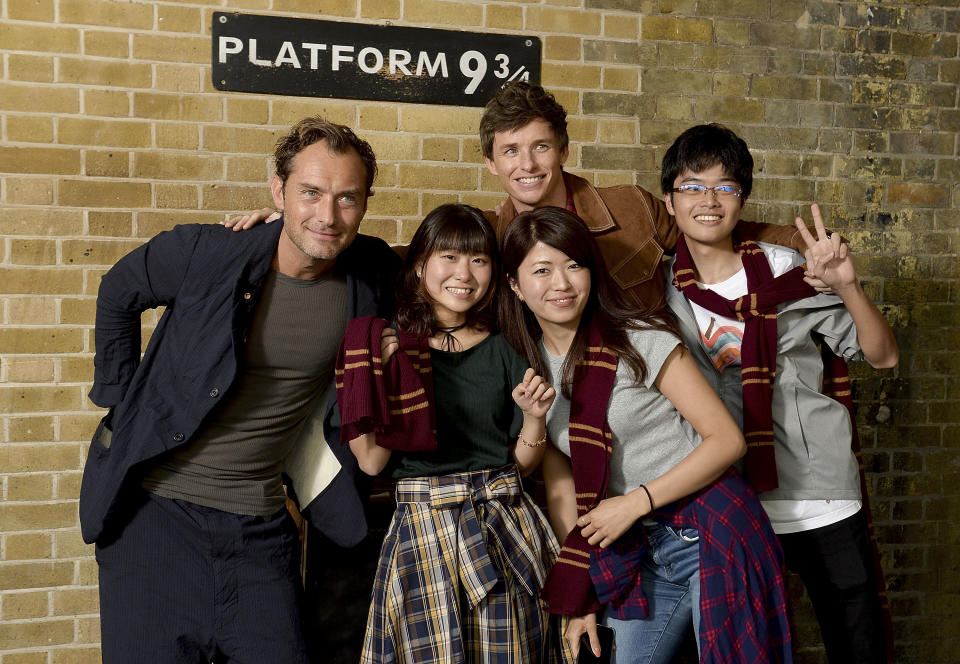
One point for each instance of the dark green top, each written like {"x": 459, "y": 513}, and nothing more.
{"x": 477, "y": 420}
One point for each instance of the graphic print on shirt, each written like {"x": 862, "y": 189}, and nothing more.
{"x": 721, "y": 341}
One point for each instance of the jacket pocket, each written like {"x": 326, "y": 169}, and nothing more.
{"x": 640, "y": 266}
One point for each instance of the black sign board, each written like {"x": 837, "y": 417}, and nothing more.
{"x": 309, "y": 58}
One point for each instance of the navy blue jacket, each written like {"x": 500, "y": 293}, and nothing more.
{"x": 209, "y": 279}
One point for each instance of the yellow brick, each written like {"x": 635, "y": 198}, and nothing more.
{"x": 616, "y": 131}
{"x": 87, "y": 575}
{"x": 107, "y": 163}
{"x": 87, "y": 194}
{"x": 29, "y": 130}
{"x": 180, "y": 78}
{"x": 394, "y": 203}
{"x": 177, "y": 136}
{"x": 179, "y": 19}
{"x": 76, "y": 369}
{"x": 248, "y": 169}
{"x": 165, "y": 166}
{"x": 434, "y": 121}
{"x": 239, "y": 139}
{"x": 113, "y": 224}
{"x": 88, "y": 629}
{"x": 330, "y": 7}
{"x": 481, "y": 201}
{"x": 176, "y": 107}
{"x": 234, "y": 198}
{"x": 570, "y": 21}
{"x": 177, "y": 196}
{"x": 676, "y": 29}
{"x": 149, "y": 224}
{"x": 95, "y": 252}
{"x": 439, "y": 13}
{"x": 68, "y": 488}
{"x": 76, "y": 601}
{"x": 106, "y": 14}
{"x": 171, "y": 49}
{"x": 115, "y": 133}
{"x": 620, "y": 79}
{"x": 580, "y": 76}
{"x": 394, "y": 146}
{"x": 31, "y": 310}
{"x": 78, "y": 427}
{"x": 471, "y": 153}
{"x": 562, "y": 48}
{"x": 64, "y": 161}
{"x": 109, "y": 103}
{"x": 621, "y": 27}
{"x": 29, "y": 191}
{"x": 569, "y": 99}
{"x": 32, "y": 458}
{"x": 438, "y": 177}
{"x": 29, "y": 546}
{"x": 287, "y": 112}
{"x": 31, "y": 10}
{"x": 386, "y": 176}
{"x": 30, "y": 429}
{"x": 43, "y": 633}
{"x": 33, "y": 252}
{"x": 36, "y": 517}
{"x": 30, "y": 97}
{"x": 25, "y": 658}
{"x": 30, "y": 370}
{"x": 380, "y": 8}
{"x": 32, "y": 221}
{"x": 19, "y": 606}
{"x": 24, "y": 37}
{"x": 730, "y": 85}
{"x": 428, "y": 202}
{"x": 69, "y": 543}
{"x": 30, "y": 399}
{"x": 248, "y": 111}
{"x": 106, "y": 44}
{"x": 505, "y": 18}
{"x": 107, "y": 73}
{"x": 581, "y": 130}
{"x": 441, "y": 149}
{"x": 35, "y": 68}
{"x": 378, "y": 118}
{"x": 76, "y": 656}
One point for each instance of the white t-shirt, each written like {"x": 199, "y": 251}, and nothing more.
{"x": 722, "y": 339}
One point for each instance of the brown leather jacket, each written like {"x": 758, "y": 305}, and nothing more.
{"x": 634, "y": 230}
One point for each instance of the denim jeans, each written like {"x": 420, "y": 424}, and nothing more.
{"x": 671, "y": 582}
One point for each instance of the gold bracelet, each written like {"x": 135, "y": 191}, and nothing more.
{"x": 539, "y": 443}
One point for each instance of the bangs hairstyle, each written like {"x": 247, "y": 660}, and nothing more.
{"x": 606, "y": 305}
{"x": 450, "y": 227}
{"x": 340, "y": 140}
{"x": 516, "y": 105}
{"x": 704, "y": 146}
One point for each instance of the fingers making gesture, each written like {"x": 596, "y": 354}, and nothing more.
{"x": 828, "y": 258}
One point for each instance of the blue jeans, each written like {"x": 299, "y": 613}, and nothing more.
{"x": 671, "y": 582}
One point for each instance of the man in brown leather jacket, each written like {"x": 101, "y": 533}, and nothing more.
{"x": 523, "y": 134}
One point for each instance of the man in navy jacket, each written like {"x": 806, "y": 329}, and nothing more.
{"x": 186, "y": 479}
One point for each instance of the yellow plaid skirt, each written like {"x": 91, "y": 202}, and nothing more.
{"x": 460, "y": 574}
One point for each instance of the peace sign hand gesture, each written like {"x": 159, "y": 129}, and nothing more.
{"x": 828, "y": 258}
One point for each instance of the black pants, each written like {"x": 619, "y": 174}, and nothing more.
{"x": 836, "y": 565}
{"x": 185, "y": 584}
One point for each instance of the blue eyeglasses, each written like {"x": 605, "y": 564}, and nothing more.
{"x": 721, "y": 190}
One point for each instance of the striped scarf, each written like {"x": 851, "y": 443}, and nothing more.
{"x": 758, "y": 311}
{"x": 394, "y": 401}
{"x": 568, "y": 589}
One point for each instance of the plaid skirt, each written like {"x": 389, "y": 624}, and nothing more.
{"x": 460, "y": 574}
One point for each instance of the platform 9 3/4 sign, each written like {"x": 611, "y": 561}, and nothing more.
{"x": 309, "y": 58}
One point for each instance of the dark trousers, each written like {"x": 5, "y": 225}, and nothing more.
{"x": 187, "y": 584}
{"x": 836, "y": 565}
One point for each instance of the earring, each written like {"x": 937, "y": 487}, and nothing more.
{"x": 418, "y": 275}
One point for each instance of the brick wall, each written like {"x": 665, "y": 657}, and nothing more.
{"x": 110, "y": 131}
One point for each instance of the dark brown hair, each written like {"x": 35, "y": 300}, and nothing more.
{"x": 516, "y": 105}
{"x": 606, "y": 306}
{"x": 340, "y": 139}
{"x": 450, "y": 227}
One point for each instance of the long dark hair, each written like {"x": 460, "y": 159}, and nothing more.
{"x": 450, "y": 227}
{"x": 606, "y": 306}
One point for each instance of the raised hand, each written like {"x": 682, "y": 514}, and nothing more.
{"x": 533, "y": 395}
{"x": 828, "y": 258}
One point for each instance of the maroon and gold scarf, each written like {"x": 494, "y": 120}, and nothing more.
{"x": 394, "y": 401}
{"x": 568, "y": 589}
{"x": 758, "y": 311}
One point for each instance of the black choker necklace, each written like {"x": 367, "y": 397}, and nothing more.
{"x": 449, "y": 342}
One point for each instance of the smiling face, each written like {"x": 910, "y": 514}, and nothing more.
{"x": 454, "y": 282}
{"x": 554, "y": 287}
{"x": 706, "y": 219}
{"x": 529, "y": 164}
{"x": 323, "y": 203}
